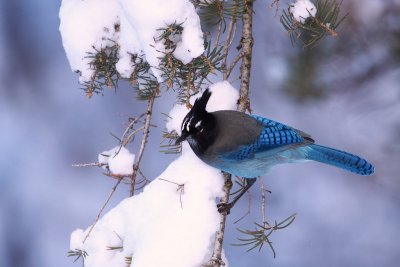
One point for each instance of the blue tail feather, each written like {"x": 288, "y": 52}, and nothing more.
{"x": 340, "y": 159}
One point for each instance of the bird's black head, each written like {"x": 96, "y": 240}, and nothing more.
{"x": 197, "y": 126}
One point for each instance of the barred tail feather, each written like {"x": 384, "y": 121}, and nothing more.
{"x": 340, "y": 159}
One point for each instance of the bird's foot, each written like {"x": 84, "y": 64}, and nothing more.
{"x": 224, "y": 208}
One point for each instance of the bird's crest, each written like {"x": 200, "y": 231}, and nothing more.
{"x": 198, "y": 111}
{"x": 200, "y": 104}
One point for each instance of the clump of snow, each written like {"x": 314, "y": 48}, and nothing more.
{"x": 87, "y": 26}
{"x": 302, "y": 9}
{"x": 119, "y": 160}
{"x": 165, "y": 225}
{"x": 128, "y": 44}
{"x": 223, "y": 97}
{"x": 148, "y": 16}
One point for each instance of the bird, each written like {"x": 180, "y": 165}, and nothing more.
{"x": 248, "y": 146}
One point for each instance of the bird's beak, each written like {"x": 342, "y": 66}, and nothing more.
{"x": 181, "y": 138}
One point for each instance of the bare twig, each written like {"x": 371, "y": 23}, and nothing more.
{"x": 248, "y": 207}
{"x": 276, "y": 4}
{"x": 263, "y": 211}
{"x": 130, "y": 136}
{"x": 130, "y": 126}
{"x": 144, "y": 142}
{"x": 94, "y": 164}
{"x": 141, "y": 174}
{"x": 102, "y": 208}
{"x": 181, "y": 189}
{"x": 228, "y": 42}
{"x": 233, "y": 64}
{"x": 219, "y": 30}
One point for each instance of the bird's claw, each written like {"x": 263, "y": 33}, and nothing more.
{"x": 224, "y": 208}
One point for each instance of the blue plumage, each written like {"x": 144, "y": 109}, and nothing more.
{"x": 275, "y": 133}
{"x": 278, "y": 143}
{"x": 248, "y": 146}
{"x": 340, "y": 159}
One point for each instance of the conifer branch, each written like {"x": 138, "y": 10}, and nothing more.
{"x": 244, "y": 104}
{"x": 247, "y": 50}
{"x": 216, "y": 259}
{"x": 314, "y": 28}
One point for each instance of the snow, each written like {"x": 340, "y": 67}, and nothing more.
{"x": 148, "y": 16}
{"x": 128, "y": 45}
{"x": 89, "y": 25}
{"x": 162, "y": 226}
{"x": 119, "y": 160}
{"x": 302, "y": 9}
{"x": 224, "y": 97}
{"x": 174, "y": 220}
{"x": 84, "y": 25}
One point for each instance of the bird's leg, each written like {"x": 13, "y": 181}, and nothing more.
{"x": 226, "y": 207}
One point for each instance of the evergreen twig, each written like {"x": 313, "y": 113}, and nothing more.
{"x": 78, "y": 254}
{"x": 218, "y": 11}
{"x": 260, "y": 236}
{"x": 313, "y": 29}
{"x": 170, "y": 147}
{"x": 105, "y": 74}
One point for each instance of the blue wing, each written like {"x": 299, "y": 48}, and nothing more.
{"x": 274, "y": 136}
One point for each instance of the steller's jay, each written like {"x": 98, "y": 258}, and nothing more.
{"x": 249, "y": 145}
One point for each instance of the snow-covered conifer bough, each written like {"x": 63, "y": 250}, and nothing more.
{"x": 145, "y": 225}
{"x": 90, "y": 24}
{"x": 156, "y": 225}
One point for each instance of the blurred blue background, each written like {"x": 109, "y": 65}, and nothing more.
{"x": 345, "y": 93}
